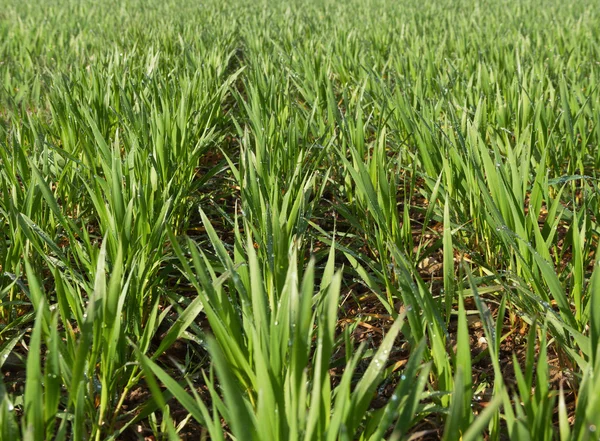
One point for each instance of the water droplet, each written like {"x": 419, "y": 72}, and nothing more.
{"x": 403, "y": 377}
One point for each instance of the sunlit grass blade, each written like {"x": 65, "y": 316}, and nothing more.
{"x": 34, "y": 427}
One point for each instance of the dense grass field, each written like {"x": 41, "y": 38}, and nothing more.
{"x": 305, "y": 220}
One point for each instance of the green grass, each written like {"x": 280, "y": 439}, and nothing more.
{"x": 356, "y": 220}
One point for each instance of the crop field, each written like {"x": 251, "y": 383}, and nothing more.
{"x": 305, "y": 220}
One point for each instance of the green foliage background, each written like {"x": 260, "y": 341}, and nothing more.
{"x": 207, "y": 200}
